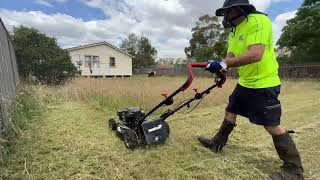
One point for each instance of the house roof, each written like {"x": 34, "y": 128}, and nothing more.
{"x": 98, "y": 44}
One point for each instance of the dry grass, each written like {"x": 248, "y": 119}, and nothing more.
{"x": 140, "y": 91}
{"x": 145, "y": 92}
{"x": 71, "y": 141}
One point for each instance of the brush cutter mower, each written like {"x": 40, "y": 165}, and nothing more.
{"x": 137, "y": 131}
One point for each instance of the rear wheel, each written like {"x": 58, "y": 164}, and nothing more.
{"x": 130, "y": 139}
{"x": 112, "y": 124}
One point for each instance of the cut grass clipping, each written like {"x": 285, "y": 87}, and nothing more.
{"x": 70, "y": 140}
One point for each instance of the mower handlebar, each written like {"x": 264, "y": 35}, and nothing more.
{"x": 169, "y": 99}
{"x": 191, "y": 75}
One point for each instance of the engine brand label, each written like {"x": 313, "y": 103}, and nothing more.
{"x": 155, "y": 128}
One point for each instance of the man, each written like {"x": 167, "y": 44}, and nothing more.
{"x": 251, "y": 49}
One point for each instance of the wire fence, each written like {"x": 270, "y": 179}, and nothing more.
{"x": 285, "y": 71}
{"x": 8, "y": 76}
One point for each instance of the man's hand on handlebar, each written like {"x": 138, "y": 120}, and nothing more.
{"x": 216, "y": 66}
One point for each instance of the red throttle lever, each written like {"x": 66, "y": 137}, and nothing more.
{"x": 195, "y": 90}
{"x": 167, "y": 101}
{"x": 164, "y": 95}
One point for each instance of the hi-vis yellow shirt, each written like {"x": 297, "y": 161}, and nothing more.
{"x": 256, "y": 30}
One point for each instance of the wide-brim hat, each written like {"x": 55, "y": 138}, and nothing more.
{"x": 232, "y": 3}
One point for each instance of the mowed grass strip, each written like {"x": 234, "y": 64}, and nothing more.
{"x": 72, "y": 141}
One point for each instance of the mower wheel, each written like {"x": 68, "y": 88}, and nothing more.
{"x": 130, "y": 139}
{"x": 112, "y": 124}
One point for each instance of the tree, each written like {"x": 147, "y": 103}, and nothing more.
{"x": 301, "y": 35}
{"x": 146, "y": 53}
{"x": 209, "y": 40}
{"x": 39, "y": 55}
{"x": 141, "y": 48}
{"x": 130, "y": 45}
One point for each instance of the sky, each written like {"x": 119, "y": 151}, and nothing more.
{"x": 167, "y": 23}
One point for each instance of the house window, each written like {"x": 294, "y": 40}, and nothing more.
{"x": 91, "y": 61}
{"x": 96, "y": 62}
{"x": 87, "y": 61}
{"x": 112, "y": 62}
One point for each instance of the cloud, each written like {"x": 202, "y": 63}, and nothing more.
{"x": 162, "y": 21}
{"x": 68, "y": 30}
{"x": 62, "y": 1}
{"x": 280, "y": 22}
{"x": 44, "y": 3}
{"x": 167, "y": 23}
{"x": 276, "y": 1}
{"x": 263, "y": 5}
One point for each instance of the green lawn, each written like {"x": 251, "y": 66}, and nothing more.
{"x": 70, "y": 140}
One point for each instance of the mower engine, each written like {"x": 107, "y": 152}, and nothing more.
{"x": 130, "y": 117}
{"x": 136, "y": 131}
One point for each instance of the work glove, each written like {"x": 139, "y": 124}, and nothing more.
{"x": 216, "y": 66}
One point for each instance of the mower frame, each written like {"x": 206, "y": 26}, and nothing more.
{"x": 137, "y": 131}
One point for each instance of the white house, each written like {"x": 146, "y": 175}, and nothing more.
{"x": 101, "y": 59}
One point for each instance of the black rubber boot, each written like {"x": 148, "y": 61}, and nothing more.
{"x": 220, "y": 139}
{"x": 292, "y": 167}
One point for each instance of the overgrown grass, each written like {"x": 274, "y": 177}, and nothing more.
{"x": 25, "y": 107}
{"x": 112, "y": 94}
{"x": 71, "y": 141}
